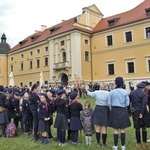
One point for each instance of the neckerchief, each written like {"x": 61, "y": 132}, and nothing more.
{"x": 46, "y": 105}
{"x": 73, "y": 101}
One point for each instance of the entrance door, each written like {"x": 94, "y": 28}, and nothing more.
{"x": 64, "y": 79}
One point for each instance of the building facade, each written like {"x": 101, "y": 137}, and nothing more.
{"x": 86, "y": 48}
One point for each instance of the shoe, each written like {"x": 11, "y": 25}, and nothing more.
{"x": 76, "y": 143}
{"x": 98, "y": 144}
{"x": 42, "y": 140}
{"x": 115, "y": 147}
{"x": 123, "y": 148}
{"x": 138, "y": 146}
{"x": 63, "y": 144}
{"x": 144, "y": 146}
{"x": 60, "y": 144}
{"x": 46, "y": 141}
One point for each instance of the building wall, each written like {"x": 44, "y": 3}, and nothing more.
{"x": 3, "y": 70}
{"x": 27, "y": 74}
{"x": 121, "y": 52}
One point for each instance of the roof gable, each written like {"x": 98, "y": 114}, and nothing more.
{"x": 136, "y": 14}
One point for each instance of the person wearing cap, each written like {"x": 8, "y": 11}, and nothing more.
{"x": 74, "y": 114}
{"x": 50, "y": 100}
{"x": 61, "y": 121}
{"x": 26, "y": 113}
{"x": 118, "y": 100}
{"x": 3, "y": 110}
{"x": 34, "y": 99}
{"x": 147, "y": 90}
{"x": 100, "y": 114}
{"x": 13, "y": 107}
{"x": 138, "y": 102}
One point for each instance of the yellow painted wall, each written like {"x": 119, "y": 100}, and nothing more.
{"x": 3, "y": 70}
{"x": 120, "y": 52}
{"x": 29, "y": 75}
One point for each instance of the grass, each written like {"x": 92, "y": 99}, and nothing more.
{"x": 23, "y": 142}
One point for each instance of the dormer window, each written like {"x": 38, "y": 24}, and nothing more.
{"x": 22, "y": 42}
{"x": 34, "y": 37}
{"x": 112, "y": 22}
{"x": 147, "y": 11}
{"x": 52, "y": 30}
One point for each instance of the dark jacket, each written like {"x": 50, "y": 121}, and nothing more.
{"x": 13, "y": 107}
{"x": 3, "y": 101}
{"x": 138, "y": 100}
{"x": 44, "y": 111}
{"x": 34, "y": 101}
{"x": 74, "y": 109}
{"x": 25, "y": 106}
{"x": 61, "y": 106}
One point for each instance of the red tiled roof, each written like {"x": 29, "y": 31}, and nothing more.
{"x": 62, "y": 27}
{"x": 136, "y": 14}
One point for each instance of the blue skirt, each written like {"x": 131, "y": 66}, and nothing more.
{"x": 101, "y": 115}
{"x": 75, "y": 123}
{"x": 61, "y": 122}
{"x": 119, "y": 118}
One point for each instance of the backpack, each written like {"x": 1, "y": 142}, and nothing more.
{"x": 11, "y": 130}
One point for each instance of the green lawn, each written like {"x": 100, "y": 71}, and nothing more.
{"x": 23, "y": 142}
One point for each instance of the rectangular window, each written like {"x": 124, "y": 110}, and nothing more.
{"x": 148, "y": 65}
{"x": 86, "y": 41}
{"x": 46, "y": 61}
{"x": 147, "y": 11}
{"x": 111, "y": 70}
{"x": 22, "y": 55}
{"x": 38, "y": 82}
{"x": 21, "y": 83}
{"x": 30, "y": 84}
{"x": 109, "y": 40}
{"x": 128, "y": 36}
{"x": 130, "y": 66}
{"x": 46, "y": 49}
{"x": 38, "y": 51}
{"x": 11, "y": 68}
{"x": 46, "y": 83}
{"x": 111, "y": 23}
{"x": 31, "y": 64}
{"x": 11, "y": 58}
{"x": 31, "y": 53}
{"x": 87, "y": 57}
{"x": 62, "y": 43}
{"x": 21, "y": 66}
{"x": 38, "y": 63}
{"x": 147, "y": 30}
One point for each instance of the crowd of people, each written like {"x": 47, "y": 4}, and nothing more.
{"x": 35, "y": 110}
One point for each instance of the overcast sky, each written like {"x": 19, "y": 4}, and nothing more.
{"x": 20, "y": 18}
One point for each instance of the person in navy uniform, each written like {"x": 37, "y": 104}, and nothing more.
{"x": 3, "y": 110}
{"x": 138, "y": 102}
{"x": 44, "y": 115}
{"x": 26, "y": 113}
{"x": 13, "y": 107}
{"x": 61, "y": 121}
{"x": 50, "y": 100}
{"x": 34, "y": 101}
{"x": 118, "y": 99}
{"x": 74, "y": 114}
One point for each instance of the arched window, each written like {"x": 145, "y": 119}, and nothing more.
{"x": 64, "y": 56}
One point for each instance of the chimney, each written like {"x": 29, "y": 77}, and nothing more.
{"x": 43, "y": 27}
{"x": 36, "y": 31}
